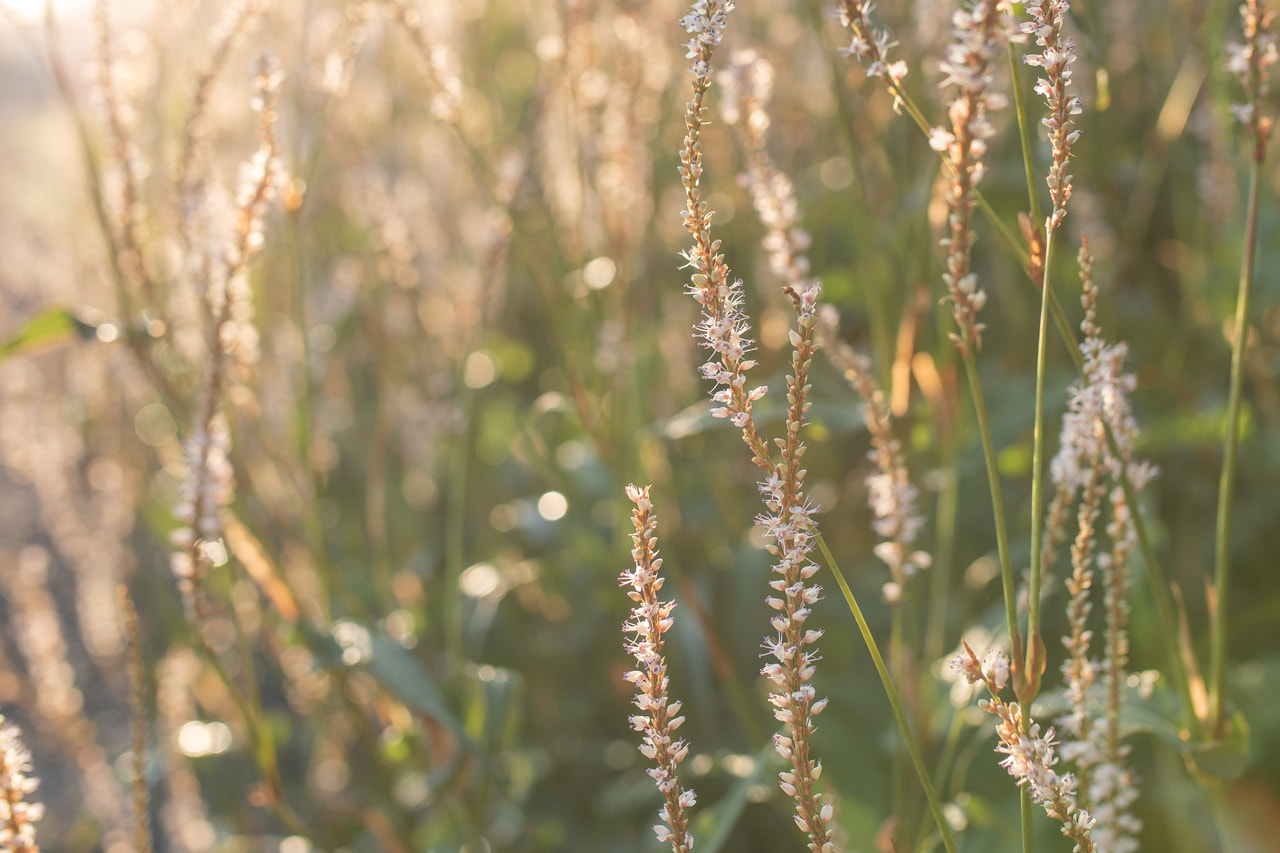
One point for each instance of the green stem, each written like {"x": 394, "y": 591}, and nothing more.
{"x": 1220, "y": 805}
{"x": 997, "y": 506}
{"x": 944, "y": 544}
{"x": 1024, "y": 134}
{"x": 897, "y": 771}
{"x": 1033, "y": 662}
{"x": 895, "y": 701}
{"x": 1155, "y": 574}
{"x": 1027, "y": 812}
{"x": 1037, "y": 458}
{"x": 1156, "y": 577}
{"x": 455, "y": 531}
{"x": 1231, "y": 443}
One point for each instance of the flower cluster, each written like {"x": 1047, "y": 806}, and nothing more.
{"x": 790, "y": 529}
{"x": 447, "y": 96}
{"x": 723, "y": 328}
{"x": 207, "y": 488}
{"x": 1081, "y": 467}
{"x": 659, "y": 717}
{"x": 977, "y": 35}
{"x": 1046, "y": 24}
{"x": 724, "y": 332}
{"x": 223, "y": 275}
{"x": 705, "y": 22}
{"x": 747, "y": 88}
{"x": 891, "y": 495}
{"x": 790, "y": 535}
{"x": 17, "y": 815}
{"x": 1101, "y": 397}
{"x": 1029, "y": 751}
{"x": 871, "y": 46}
{"x": 1249, "y": 62}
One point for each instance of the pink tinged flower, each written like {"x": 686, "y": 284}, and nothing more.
{"x": 967, "y": 665}
{"x": 995, "y": 666}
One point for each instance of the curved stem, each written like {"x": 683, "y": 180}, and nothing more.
{"x": 895, "y": 701}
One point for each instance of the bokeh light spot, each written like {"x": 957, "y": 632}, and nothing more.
{"x": 552, "y": 506}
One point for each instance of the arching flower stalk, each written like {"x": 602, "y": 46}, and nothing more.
{"x": 890, "y": 493}
{"x": 1030, "y": 755}
{"x": 790, "y": 529}
{"x": 871, "y": 46}
{"x": 747, "y": 89}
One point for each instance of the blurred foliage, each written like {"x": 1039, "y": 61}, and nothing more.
{"x": 473, "y": 335}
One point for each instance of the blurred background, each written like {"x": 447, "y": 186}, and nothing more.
{"x": 471, "y": 334}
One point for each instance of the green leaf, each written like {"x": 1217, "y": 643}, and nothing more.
{"x": 404, "y": 675}
{"x": 1226, "y": 758}
{"x": 52, "y": 326}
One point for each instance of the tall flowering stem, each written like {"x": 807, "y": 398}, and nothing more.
{"x": 660, "y": 716}
{"x": 1084, "y": 461}
{"x": 1030, "y": 755}
{"x": 788, "y": 522}
{"x": 1055, "y": 59}
{"x": 224, "y": 278}
{"x": 127, "y": 235}
{"x": 724, "y": 328}
{"x": 977, "y": 33}
{"x": 1250, "y": 62}
{"x": 891, "y": 495}
{"x": 871, "y": 45}
{"x": 789, "y": 536}
{"x": 18, "y": 816}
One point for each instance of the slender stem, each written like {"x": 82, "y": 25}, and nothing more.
{"x": 940, "y": 584}
{"x": 897, "y": 770}
{"x": 455, "y": 532}
{"x": 1032, "y": 666}
{"x": 1024, "y": 134}
{"x": 1226, "y": 484}
{"x": 1027, "y": 813}
{"x": 1037, "y": 458}
{"x": 1155, "y": 574}
{"x": 895, "y": 701}
{"x": 1220, "y": 805}
{"x": 997, "y": 506}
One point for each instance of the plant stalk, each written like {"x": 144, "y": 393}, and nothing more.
{"x": 1231, "y": 444}
{"x": 895, "y": 701}
{"x": 997, "y": 507}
